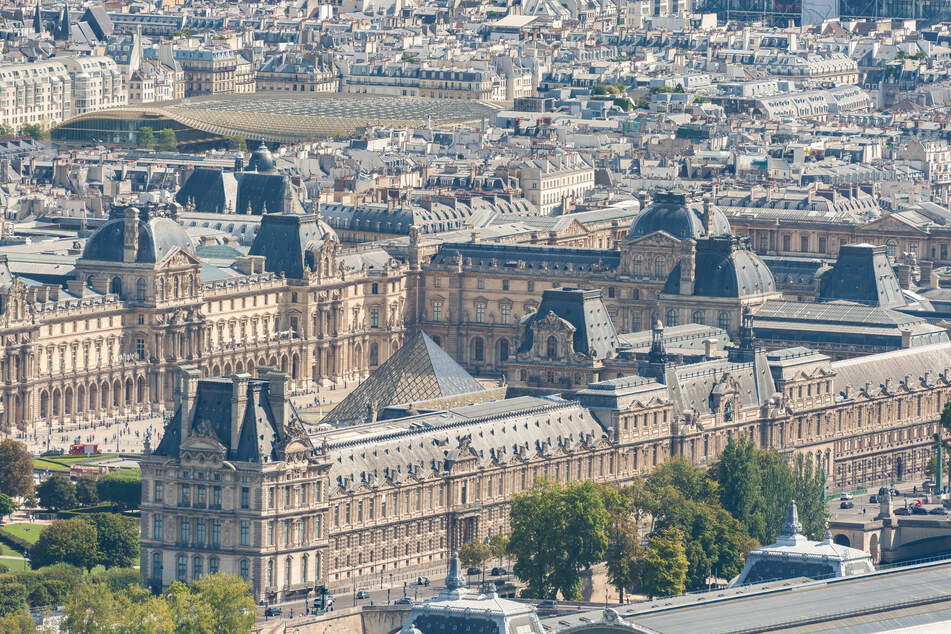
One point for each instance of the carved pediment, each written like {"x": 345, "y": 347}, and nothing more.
{"x": 178, "y": 258}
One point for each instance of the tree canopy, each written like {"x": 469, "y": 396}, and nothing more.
{"x": 474, "y": 553}
{"x": 16, "y": 469}
{"x": 557, "y": 531}
{"x": 145, "y": 137}
{"x": 121, "y": 487}
{"x": 117, "y": 539}
{"x": 665, "y": 564}
{"x": 72, "y": 541}
{"x": 166, "y": 139}
{"x": 57, "y": 493}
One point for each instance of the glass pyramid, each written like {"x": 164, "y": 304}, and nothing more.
{"x": 419, "y": 371}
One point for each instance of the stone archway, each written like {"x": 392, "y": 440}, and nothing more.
{"x": 873, "y": 549}
{"x": 842, "y": 540}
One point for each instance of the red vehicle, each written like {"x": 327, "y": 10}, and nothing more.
{"x": 83, "y": 449}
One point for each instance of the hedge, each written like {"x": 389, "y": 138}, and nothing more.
{"x": 104, "y": 507}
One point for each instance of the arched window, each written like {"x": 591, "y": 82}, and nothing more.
{"x": 196, "y": 568}
{"x": 90, "y": 280}
{"x": 374, "y": 355}
{"x": 140, "y": 289}
{"x": 270, "y": 574}
{"x": 723, "y": 320}
{"x": 503, "y": 349}
{"x": 551, "y": 348}
{"x": 304, "y": 572}
{"x": 212, "y": 565}
{"x": 157, "y": 566}
{"x": 478, "y": 349}
{"x": 891, "y": 247}
{"x": 698, "y": 317}
{"x": 116, "y": 286}
{"x": 288, "y": 572}
{"x": 659, "y": 268}
{"x": 672, "y": 318}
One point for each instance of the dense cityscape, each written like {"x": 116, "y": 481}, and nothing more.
{"x": 522, "y": 317}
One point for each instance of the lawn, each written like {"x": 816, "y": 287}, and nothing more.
{"x": 24, "y": 530}
{"x": 42, "y": 464}
{"x": 15, "y": 565}
{"x": 6, "y": 551}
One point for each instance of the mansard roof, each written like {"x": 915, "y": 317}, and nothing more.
{"x": 584, "y": 309}
{"x": 863, "y": 274}
{"x": 888, "y": 370}
{"x": 157, "y": 237}
{"x": 519, "y": 256}
{"x": 285, "y": 240}
{"x": 725, "y": 267}
{"x": 672, "y": 214}
{"x": 418, "y": 371}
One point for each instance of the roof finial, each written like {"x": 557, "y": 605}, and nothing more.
{"x": 791, "y": 526}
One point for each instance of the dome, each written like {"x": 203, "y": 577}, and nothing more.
{"x": 725, "y": 267}
{"x": 261, "y": 159}
{"x": 157, "y": 237}
{"x": 672, "y": 214}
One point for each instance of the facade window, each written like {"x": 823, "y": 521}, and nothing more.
{"x": 157, "y": 571}
{"x": 184, "y": 531}
{"x": 196, "y": 568}
{"x": 374, "y": 355}
{"x": 659, "y": 268}
{"x": 288, "y": 572}
{"x": 374, "y": 289}
{"x": 245, "y": 570}
{"x": 216, "y": 497}
{"x": 530, "y": 287}
{"x": 503, "y": 350}
{"x": 374, "y": 318}
{"x": 245, "y": 533}
{"x": 505, "y": 285}
{"x": 506, "y": 313}
{"x": 157, "y": 495}
{"x": 610, "y": 292}
{"x": 140, "y": 348}
{"x": 157, "y": 527}
{"x": 891, "y": 248}
{"x": 804, "y": 244}
{"x": 185, "y": 498}
{"x": 551, "y": 348}
{"x": 698, "y": 317}
{"x": 822, "y": 244}
{"x": 478, "y": 350}
{"x": 480, "y": 283}
{"x": 437, "y": 311}
{"x": 216, "y": 533}
{"x": 140, "y": 289}
{"x": 480, "y": 313}
{"x": 787, "y": 243}
{"x": 181, "y": 572}
{"x": 245, "y": 497}
{"x": 672, "y": 318}
{"x": 200, "y": 533}
{"x": 723, "y": 320}
{"x": 212, "y": 565}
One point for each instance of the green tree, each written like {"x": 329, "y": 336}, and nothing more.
{"x": 35, "y": 132}
{"x": 7, "y": 506}
{"x": 688, "y": 479}
{"x": 12, "y": 597}
{"x": 498, "y": 544}
{"x": 189, "y": 612}
{"x": 740, "y": 486}
{"x": 119, "y": 578}
{"x": 6, "y": 130}
{"x": 145, "y": 137}
{"x": 17, "y": 623}
{"x": 143, "y": 613}
{"x": 86, "y": 493}
{"x": 121, "y": 487}
{"x": 474, "y": 553}
{"x": 92, "y": 608}
{"x": 230, "y": 600}
{"x": 665, "y": 564}
{"x": 117, "y": 539}
{"x": 16, "y": 469}
{"x": 238, "y": 143}
{"x": 809, "y": 492}
{"x": 70, "y": 541}
{"x": 166, "y": 139}
{"x": 57, "y": 493}
{"x": 557, "y": 531}
{"x": 624, "y": 556}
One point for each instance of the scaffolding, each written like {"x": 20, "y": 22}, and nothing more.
{"x": 784, "y": 12}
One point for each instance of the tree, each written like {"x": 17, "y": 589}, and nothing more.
{"x": 474, "y": 553}
{"x": 12, "y": 596}
{"x": 809, "y": 489}
{"x": 166, "y": 139}
{"x": 35, "y": 132}
{"x": 7, "y": 506}
{"x": 665, "y": 564}
{"x": 86, "y": 493}
{"x": 72, "y": 541}
{"x": 238, "y": 143}
{"x": 143, "y": 613}
{"x": 624, "y": 556}
{"x": 17, "y": 623}
{"x": 498, "y": 544}
{"x": 189, "y": 612}
{"x": 57, "y": 493}
{"x": 145, "y": 137}
{"x": 117, "y": 539}
{"x": 230, "y": 600}
{"x": 121, "y": 487}
{"x": 92, "y": 609}
{"x": 740, "y": 479}
{"x": 688, "y": 479}
{"x": 16, "y": 469}
{"x": 557, "y": 531}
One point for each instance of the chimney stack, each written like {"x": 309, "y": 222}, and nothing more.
{"x": 903, "y": 270}
{"x": 708, "y": 217}
{"x": 277, "y": 385}
{"x": 239, "y": 405}
{"x": 130, "y": 244}
{"x": 927, "y": 274}
{"x": 188, "y": 391}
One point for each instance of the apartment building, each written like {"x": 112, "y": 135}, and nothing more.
{"x": 552, "y": 181}
{"x": 209, "y": 71}
{"x": 411, "y": 80}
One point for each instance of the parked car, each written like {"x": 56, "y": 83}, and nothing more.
{"x": 474, "y": 571}
{"x": 422, "y": 581}
{"x": 498, "y": 572}
{"x": 272, "y": 611}
{"x": 363, "y": 594}
{"x": 919, "y": 510}
{"x": 845, "y": 496}
{"x": 403, "y": 601}
{"x": 846, "y": 504}
{"x": 873, "y": 499}
{"x": 903, "y": 511}
{"x": 938, "y": 511}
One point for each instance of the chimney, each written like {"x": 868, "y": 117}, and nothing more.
{"x": 905, "y": 339}
{"x": 277, "y": 384}
{"x": 130, "y": 244}
{"x": 708, "y": 217}
{"x": 708, "y": 345}
{"x": 239, "y": 405}
{"x": 928, "y": 279}
{"x": 903, "y": 270}
{"x": 188, "y": 390}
